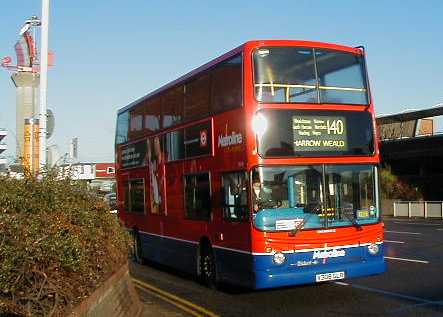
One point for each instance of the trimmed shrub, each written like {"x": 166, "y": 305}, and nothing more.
{"x": 58, "y": 243}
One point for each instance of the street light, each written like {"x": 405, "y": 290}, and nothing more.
{"x": 43, "y": 79}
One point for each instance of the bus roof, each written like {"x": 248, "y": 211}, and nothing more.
{"x": 253, "y": 43}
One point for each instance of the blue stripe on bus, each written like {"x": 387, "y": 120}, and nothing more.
{"x": 234, "y": 267}
{"x": 179, "y": 254}
{"x": 301, "y": 268}
{"x": 259, "y": 271}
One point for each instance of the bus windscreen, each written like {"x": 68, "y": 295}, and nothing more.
{"x": 309, "y": 75}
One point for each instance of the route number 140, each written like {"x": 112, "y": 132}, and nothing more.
{"x": 335, "y": 126}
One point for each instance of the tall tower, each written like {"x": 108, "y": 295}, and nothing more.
{"x": 73, "y": 150}
{"x": 26, "y": 78}
{"x": 27, "y": 102}
{"x": 3, "y": 148}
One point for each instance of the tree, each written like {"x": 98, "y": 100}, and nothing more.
{"x": 392, "y": 187}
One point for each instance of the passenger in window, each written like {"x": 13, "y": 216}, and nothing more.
{"x": 237, "y": 188}
{"x": 260, "y": 195}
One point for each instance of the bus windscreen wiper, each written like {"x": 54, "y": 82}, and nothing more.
{"x": 353, "y": 220}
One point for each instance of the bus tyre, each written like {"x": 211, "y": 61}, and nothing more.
{"x": 208, "y": 267}
{"x": 137, "y": 251}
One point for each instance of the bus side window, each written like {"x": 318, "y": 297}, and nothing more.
{"x": 126, "y": 204}
{"x": 198, "y": 196}
{"x": 226, "y": 85}
{"x": 235, "y": 196}
{"x": 134, "y": 190}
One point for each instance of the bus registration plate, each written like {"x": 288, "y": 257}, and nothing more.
{"x": 329, "y": 276}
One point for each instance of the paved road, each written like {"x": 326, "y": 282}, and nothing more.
{"x": 412, "y": 286}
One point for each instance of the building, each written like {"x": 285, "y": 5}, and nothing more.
{"x": 78, "y": 171}
{"x": 100, "y": 176}
{"x": 413, "y": 149}
{"x": 3, "y": 148}
{"x": 105, "y": 171}
{"x": 104, "y": 177}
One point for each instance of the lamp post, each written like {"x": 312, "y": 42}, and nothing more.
{"x": 43, "y": 80}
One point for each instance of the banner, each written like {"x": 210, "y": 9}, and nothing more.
{"x": 134, "y": 155}
{"x": 35, "y": 146}
{"x": 31, "y": 146}
{"x": 198, "y": 140}
{"x": 27, "y": 146}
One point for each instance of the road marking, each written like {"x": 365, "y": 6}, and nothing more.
{"x": 406, "y": 260}
{"x": 341, "y": 283}
{"x": 440, "y": 229}
{"x": 175, "y": 300}
{"x": 403, "y": 232}
{"x": 393, "y": 241}
{"x": 393, "y": 294}
{"x": 400, "y": 219}
{"x": 409, "y": 307}
{"x": 416, "y": 223}
{"x": 182, "y": 307}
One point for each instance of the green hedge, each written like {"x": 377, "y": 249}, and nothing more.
{"x": 393, "y": 187}
{"x": 58, "y": 242}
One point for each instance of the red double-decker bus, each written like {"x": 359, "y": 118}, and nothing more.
{"x": 258, "y": 168}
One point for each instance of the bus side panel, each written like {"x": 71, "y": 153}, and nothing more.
{"x": 234, "y": 267}
{"x": 181, "y": 255}
{"x": 178, "y": 254}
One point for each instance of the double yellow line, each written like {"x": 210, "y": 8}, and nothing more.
{"x": 178, "y": 302}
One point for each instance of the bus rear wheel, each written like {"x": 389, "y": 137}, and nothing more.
{"x": 137, "y": 249}
{"x": 208, "y": 270}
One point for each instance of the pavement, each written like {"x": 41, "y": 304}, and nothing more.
{"x": 412, "y": 286}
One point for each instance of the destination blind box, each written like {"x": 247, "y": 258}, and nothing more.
{"x": 319, "y": 133}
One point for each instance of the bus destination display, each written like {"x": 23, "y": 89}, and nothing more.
{"x": 319, "y": 133}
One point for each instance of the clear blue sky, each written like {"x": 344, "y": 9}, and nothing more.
{"x": 109, "y": 53}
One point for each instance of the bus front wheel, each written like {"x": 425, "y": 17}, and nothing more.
{"x": 208, "y": 267}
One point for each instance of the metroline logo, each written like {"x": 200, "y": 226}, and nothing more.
{"x": 334, "y": 253}
{"x": 228, "y": 140}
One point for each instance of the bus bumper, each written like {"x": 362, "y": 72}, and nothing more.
{"x": 268, "y": 274}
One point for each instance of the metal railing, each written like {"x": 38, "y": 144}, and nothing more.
{"x": 421, "y": 209}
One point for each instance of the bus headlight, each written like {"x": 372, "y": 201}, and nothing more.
{"x": 279, "y": 258}
{"x": 259, "y": 124}
{"x": 373, "y": 249}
